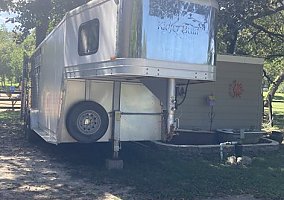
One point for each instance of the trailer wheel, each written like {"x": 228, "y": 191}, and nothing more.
{"x": 87, "y": 121}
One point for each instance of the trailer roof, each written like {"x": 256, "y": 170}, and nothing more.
{"x": 212, "y": 3}
{"x": 86, "y": 6}
{"x": 240, "y": 59}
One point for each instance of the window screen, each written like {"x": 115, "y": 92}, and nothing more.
{"x": 88, "y": 41}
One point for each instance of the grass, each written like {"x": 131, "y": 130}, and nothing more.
{"x": 162, "y": 175}
{"x": 9, "y": 117}
{"x": 176, "y": 178}
{"x": 278, "y": 104}
{"x": 278, "y": 113}
{"x": 279, "y": 97}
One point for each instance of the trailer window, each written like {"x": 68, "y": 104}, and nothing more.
{"x": 88, "y": 41}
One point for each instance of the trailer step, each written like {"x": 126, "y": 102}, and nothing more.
{"x": 45, "y": 135}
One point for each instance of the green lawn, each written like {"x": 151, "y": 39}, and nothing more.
{"x": 278, "y": 113}
{"x": 177, "y": 178}
{"x": 278, "y": 108}
{"x": 278, "y": 105}
{"x": 9, "y": 117}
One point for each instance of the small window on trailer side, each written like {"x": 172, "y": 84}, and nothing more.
{"x": 88, "y": 37}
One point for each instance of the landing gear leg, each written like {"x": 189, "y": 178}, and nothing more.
{"x": 115, "y": 162}
{"x": 171, "y": 109}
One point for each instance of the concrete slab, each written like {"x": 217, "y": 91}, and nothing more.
{"x": 114, "y": 164}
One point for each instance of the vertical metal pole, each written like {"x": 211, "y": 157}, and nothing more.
{"x": 87, "y": 89}
{"x": 24, "y": 85}
{"x": 116, "y": 118}
{"x": 171, "y": 107}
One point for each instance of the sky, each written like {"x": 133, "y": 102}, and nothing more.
{"x": 3, "y": 18}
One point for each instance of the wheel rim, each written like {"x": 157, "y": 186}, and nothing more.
{"x": 89, "y": 122}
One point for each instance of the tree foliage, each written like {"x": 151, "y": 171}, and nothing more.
{"x": 255, "y": 28}
{"x": 35, "y": 19}
{"x": 5, "y": 52}
{"x": 41, "y": 15}
{"x": 11, "y": 56}
{"x": 249, "y": 27}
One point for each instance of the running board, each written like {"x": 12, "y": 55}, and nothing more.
{"x": 45, "y": 135}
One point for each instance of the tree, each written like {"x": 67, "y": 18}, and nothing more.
{"x": 41, "y": 15}
{"x": 6, "y": 46}
{"x": 11, "y": 56}
{"x": 248, "y": 20}
{"x": 254, "y": 28}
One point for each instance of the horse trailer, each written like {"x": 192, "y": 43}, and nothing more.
{"x": 111, "y": 70}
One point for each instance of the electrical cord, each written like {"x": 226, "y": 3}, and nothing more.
{"x": 182, "y": 101}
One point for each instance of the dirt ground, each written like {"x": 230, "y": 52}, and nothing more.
{"x": 44, "y": 171}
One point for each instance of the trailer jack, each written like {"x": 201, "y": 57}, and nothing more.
{"x": 115, "y": 163}
{"x": 171, "y": 127}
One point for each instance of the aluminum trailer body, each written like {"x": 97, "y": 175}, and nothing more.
{"x": 108, "y": 71}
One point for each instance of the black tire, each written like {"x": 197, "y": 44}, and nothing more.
{"x": 87, "y": 121}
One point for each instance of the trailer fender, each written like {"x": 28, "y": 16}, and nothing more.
{"x": 87, "y": 121}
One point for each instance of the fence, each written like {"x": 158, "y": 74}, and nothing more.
{"x": 10, "y": 100}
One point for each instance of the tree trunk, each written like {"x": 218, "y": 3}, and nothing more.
{"x": 231, "y": 47}
{"x": 274, "y": 86}
{"x": 270, "y": 112}
{"x": 41, "y": 32}
{"x": 3, "y": 80}
{"x": 42, "y": 26}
